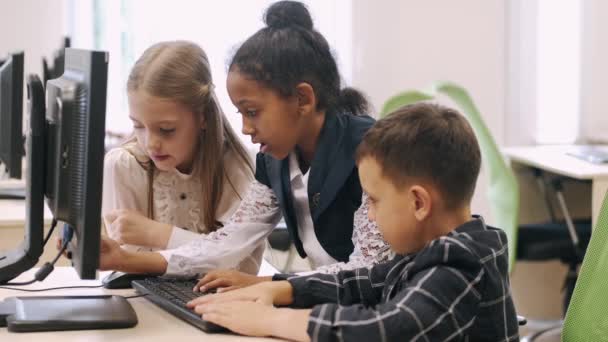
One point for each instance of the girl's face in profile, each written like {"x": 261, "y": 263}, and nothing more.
{"x": 271, "y": 120}
{"x": 168, "y": 131}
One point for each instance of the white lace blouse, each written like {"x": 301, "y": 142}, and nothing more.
{"x": 250, "y": 225}
{"x": 177, "y": 198}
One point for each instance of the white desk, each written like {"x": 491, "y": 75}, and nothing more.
{"x": 155, "y": 324}
{"x": 553, "y": 158}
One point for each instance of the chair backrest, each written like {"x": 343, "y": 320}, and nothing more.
{"x": 587, "y": 315}
{"x": 503, "y": 189}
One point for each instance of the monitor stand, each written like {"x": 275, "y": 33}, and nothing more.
{"x": 59, "y": 313}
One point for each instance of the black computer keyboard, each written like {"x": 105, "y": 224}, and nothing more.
{"x": 172, "y": 296}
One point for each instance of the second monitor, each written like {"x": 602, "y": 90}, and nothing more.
{"x": 65, "y": 162}
{"x": 11, "y": 118}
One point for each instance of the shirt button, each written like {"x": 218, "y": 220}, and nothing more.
{"x": 182, "y": 196}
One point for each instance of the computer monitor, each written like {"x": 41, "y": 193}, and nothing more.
{"x": 75, "y": 117}
{"x": 11, "y": 118}
{"x": 56, "y": 69}
{"x": 65, "y": 151}
{"x": 25, "y": 256}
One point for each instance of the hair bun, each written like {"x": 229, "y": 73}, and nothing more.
{"x": 284, "y": 14}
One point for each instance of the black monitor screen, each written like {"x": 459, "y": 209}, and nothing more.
{"x": 75, "y": 131}
{"x": 11, "y": 114}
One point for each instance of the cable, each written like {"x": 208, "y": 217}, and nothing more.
{"x": 48, "y": 236}
{"x": 50, "y": 288}
{"x": 48, "y": 267}
{"x": 65, "y": 287}
{"x": 22, "y": 283}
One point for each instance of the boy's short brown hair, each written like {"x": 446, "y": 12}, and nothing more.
{"x": 427, "y": 141}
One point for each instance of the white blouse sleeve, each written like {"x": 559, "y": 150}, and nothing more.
{"x": 370, "y": 247}
{"x": 180, "y": 236}
{"x": 244, "y": 233}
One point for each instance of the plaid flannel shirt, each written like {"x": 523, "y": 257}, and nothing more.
{"x": 454, "y": 289}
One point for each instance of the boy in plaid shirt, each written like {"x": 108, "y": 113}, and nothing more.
{"x": 449, "y": 280}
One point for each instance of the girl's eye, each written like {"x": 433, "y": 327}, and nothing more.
{"x": 167, "y": 130}
{"x": 248, "y": 112}
{"x": 251, "y": 112}
{"x": 138, "y": 127}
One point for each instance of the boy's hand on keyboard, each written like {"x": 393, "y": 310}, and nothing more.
{"x": 277, "y": 292}
{"x": 254, "y": 293}
{"x": 257, "y": 319}
{"x": 132, "y": 228}
{"x": 227, "y": 280}
{"x": 243, "y": 317}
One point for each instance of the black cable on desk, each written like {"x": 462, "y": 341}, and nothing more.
{"x": 48, "y": 267}
{"x": 51, "y": 288}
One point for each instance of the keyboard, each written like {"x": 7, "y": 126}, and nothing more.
{"x": 172, "y": 296}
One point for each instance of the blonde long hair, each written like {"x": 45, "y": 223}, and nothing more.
{"x": 179, "y": 71}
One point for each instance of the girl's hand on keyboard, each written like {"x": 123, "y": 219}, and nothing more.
{"x": 227, "y": 280}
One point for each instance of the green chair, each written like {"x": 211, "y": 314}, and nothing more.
{"x": 587, "y": 316}
{"x": 503, "y": 189}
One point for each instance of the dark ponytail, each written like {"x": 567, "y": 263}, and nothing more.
{"x": 289, "y": 51}
{"x": 352, "y": 101}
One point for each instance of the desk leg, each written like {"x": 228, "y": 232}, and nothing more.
{"x": 600, "y": 188}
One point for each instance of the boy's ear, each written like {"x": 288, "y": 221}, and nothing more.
{"x": 307, "y": 101}
{"x": 422, "y": 202}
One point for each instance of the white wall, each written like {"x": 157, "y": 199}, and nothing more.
{"x": 594, "y": 69}
{"x": 520, "y": 99}
{"x": 36, "y": 27}
{"x": 405, "y": 44}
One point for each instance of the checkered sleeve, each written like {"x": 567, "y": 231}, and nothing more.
{"x": 361, "y": 285}
{"x": 435, "y": 300}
